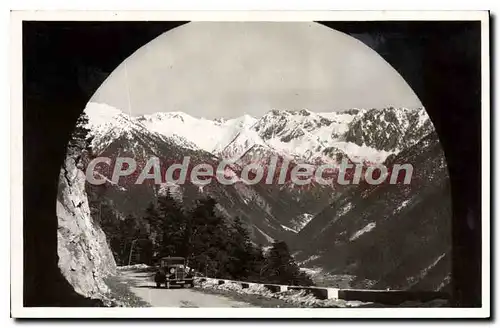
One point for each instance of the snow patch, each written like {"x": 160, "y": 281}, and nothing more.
{"x": 369, "y": 227}
{"x": 289, "y": 229}
{"x": 415, "y": 279}
{"x": 344, "y": 209}
{"x": 301, "y": 221}
{"x": 309, "y": 259}
{"x": 360, "y": 154}
{"x": 401, "y": 206}
{"x": 269, "y": 239}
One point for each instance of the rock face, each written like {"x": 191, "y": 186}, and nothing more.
{"x": 389, "y": 129}
{"x": 84, "y": 255}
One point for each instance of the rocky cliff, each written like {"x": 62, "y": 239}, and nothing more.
{"x": 84, "y": 255}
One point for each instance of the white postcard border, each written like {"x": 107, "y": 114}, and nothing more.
{"x": 17, "y": 309}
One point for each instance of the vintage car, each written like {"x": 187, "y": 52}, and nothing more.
{"x": 173, "y": 271}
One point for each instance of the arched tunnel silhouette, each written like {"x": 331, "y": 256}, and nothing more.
{"x": 65, "y": 62}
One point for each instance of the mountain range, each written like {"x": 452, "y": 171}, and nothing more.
{"x": 362, "y": 230}
{"x": 363, "y": 135}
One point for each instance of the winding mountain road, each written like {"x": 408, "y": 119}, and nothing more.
{"x": 143, "y": 286}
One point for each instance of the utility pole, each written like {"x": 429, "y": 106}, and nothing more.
{"x": 206, "y": 265}
{"x": 131, "y": 249}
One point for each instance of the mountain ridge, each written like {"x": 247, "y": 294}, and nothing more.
{"x": 299, "y": 134}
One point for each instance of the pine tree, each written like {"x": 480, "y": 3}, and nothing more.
{"x": 208, "y": 242}
{"x": 80, "y": 140}
{"x": 241, "y": 251}
{"x": 280, "y": 267}
{"x": 154, "y": 223}
{"x": 172, "y": 225}
{"x": 257, "y": 265}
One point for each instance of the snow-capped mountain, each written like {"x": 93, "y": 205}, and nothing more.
{"x": 301, "y": 133}
{"x": 209, "y": 135}
{"x": 389, "y": 129}
{"x": 361, "y": 135}
{"x": 108, "y": 124}
{"x": 246, "y": 140}
{"x": 315, "y": 137}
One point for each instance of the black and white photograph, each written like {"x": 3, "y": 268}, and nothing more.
{"x": 239, "y": 162}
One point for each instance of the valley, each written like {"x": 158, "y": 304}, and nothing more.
{"x": 372, "y": 232}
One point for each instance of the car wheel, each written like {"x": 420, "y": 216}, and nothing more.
{"x": 192, "y": 285}
{"x": 158, "y": 284}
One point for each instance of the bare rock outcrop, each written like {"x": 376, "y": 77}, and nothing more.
{"x": 85, "y": 258}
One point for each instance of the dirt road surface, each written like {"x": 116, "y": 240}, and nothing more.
{"x": 143, "y": 286}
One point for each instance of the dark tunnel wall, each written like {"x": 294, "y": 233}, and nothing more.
{"x": 65, "y": 62}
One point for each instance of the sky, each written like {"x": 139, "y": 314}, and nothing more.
{"x": 227, "y": 69}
